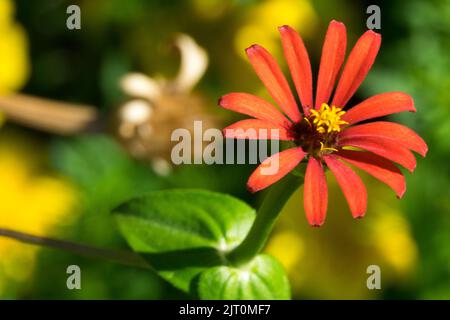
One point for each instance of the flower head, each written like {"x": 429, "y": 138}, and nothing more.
{"x": 321, "y": 131}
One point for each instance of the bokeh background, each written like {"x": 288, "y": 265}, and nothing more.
{"x": 64, "y": 185}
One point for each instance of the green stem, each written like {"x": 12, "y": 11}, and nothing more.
{"x": 123, "y": 257}
{"x": 266, "y": 217}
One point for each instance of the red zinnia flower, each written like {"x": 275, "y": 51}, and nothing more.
{"x": 321, "y": 133}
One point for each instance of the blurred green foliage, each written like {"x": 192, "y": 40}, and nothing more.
{"x": 417, "y": 61}
{"x": 122, "y": 36}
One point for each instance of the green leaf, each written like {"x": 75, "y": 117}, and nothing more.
{"x": 262, "y": 279}
{"x": 183, "y": 232}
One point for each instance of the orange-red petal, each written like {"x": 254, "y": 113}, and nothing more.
{"x": 378, "y": 106}
{"x": 333, "y": 55}
{"x": 389, "y": 130}
{"x": 378, "y": 167}
{"x": 386, "y": 148}
{"x": 281, "y": 163}
{"x": 270, "y": 74}
{"x": 255, "y": 129}
{"x": 299, "y": 65}
{"x": 253, "y": 106}
{"x": 315, "y": 197}
{"x": 358, "y": 64}
{"x": 351, "y": 184}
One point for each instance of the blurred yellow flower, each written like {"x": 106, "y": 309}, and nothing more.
{"x": 264, "y": 19}
{"x": 31, "y": 201}
{"x": 14, "y": 65}
{"x": 392, "y": 237}
{"x": 292, "y": 244}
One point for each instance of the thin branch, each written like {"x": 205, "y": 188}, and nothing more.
{"x": 122, "y": 257}
{"x": 50, "y": 115}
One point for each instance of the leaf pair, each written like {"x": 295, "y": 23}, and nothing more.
{"x": 186, "y": 235}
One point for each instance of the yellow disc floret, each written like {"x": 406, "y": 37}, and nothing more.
{"x": 328, "y": 119}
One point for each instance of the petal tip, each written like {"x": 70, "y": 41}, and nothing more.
{"x": 252, "y": 48}
{"x": 411, "y": 106}
{"x": 401, "y": 193}
{"x": 359, "y": 214}
{"x": 337, "y": 23}
{"x": 374, "y": 34}
{"x": 251, "y": 188}
{"x": 225, "y": 133}
{"x": 412, "y": 168}
{"x": 220, "y": 101}
{"x": 316, "y": 225}
{"x": 423, "y": 149}
{"x": 284, "y": 27}
{"x": 401, "y": 190}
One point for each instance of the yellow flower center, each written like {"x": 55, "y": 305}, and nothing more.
{"x": 328, "y": 119}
